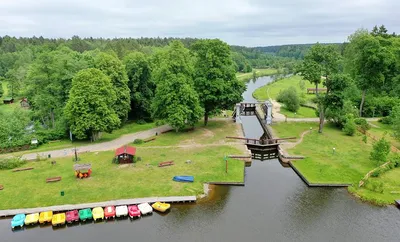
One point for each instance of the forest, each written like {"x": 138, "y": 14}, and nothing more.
{"x": 78, "y": 88}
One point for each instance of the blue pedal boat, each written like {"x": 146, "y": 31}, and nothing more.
{"x": 18, "y": 221}
{"x": 183, "y": 178}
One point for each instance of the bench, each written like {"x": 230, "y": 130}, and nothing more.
{"x": 53, "y": 179}
{"x": 23, "y": 169}
{"x": 1, "y": 187}
{"x": 166, "y": 163}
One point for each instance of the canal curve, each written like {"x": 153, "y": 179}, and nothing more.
{"x": 274, "y": 205}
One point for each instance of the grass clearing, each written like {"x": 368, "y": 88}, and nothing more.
{"x": 259, "y": 72}
{"x": 293, "y": 129}
{"x": 303, "y": 112}
{"x": 110, "y": 181}
{"x": 384, "y": 130}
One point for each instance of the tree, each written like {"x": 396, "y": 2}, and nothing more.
{"x": 89, "y": 109}
{"x": 349, "y": 127}
{"x": 140, "y": 83}
{"x": 395, "y": 117}
{"x": 380, "y": 151}
{"x": 290, "y": 98}
{"x": 215, "y": 78}
{"x": 1, "y": 89}
{"x": 115, "y": 70}
{"x": 175, "y": 99}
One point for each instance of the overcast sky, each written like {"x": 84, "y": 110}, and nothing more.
{"x": 239, "y": 22}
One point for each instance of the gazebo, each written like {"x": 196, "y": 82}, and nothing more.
{"x": 125, "y": 154}
{"x": 83, "y": 170}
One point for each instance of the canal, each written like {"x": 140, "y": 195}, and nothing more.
{"x": 274, "y": 205}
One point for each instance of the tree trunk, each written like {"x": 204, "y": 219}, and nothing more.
{"x": 52, "y": 119}
{"x": 362, "y": 102}
{"x": 205, "y": 118}
{"x": 316, "y": 89}
{"x": 321, "y": 119}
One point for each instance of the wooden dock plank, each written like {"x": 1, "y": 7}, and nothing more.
{"x": 67, "y": 207}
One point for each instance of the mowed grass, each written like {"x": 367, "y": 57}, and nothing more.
{"x": 303, "y": 112}
{"x": 391, "y": 188}
{"x": 259, "y": 73}
{"x": 292, "y": 129}
{"x": 110, "y": 181}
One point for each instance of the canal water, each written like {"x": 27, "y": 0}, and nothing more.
{"x": 274, "y": 205}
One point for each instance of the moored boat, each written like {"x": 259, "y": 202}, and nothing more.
{"x": 161, "y": 207}
{"x": 183, "y": 178}
{"x": 18, "y": 221}
{"x": 45, "y": 217}
{"x": 109, "y": 212}
{"x": 72, "y": 216}
{"x": 98, "y": 213}
{"x": 58, "y": 219}
{"x": 85, "y": 214}
{"x": 121, "y": 211}
{"x": 145, "y": 208}
{"x": 133, "y": 211}
{"x": 32, "y": 218}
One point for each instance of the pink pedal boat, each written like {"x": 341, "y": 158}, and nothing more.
{"x": 133, "y": 211}
{"x": 72, "y": 216}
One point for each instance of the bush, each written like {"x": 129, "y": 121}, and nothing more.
{"x": 290, "y": 98}
{"x": 363, "y": 123}
{"x": 160, "y": 122}
{"x": 141, "y": 121}
{"x": 138, "y": 141}
{"x": 386, "y": 120}
{"x": 380, "y": 151}
{"x": 349, "y": 127}
{"x": 375, "y": 186}
{"x": 11, "y": 163}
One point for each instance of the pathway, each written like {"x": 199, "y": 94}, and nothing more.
{"x": 111, "y": 145}
{"x": 289, "y": 145}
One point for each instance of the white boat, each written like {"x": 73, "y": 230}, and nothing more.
{"x": 121, "y": 211}
{"x": 145, "y": 208}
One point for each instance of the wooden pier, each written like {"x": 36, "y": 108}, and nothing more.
{"x": 68, "y": 207}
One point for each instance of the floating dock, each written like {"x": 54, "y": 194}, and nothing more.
{"x": 180, "y": 199}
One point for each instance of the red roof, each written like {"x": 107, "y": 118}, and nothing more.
{"x": 125, "y": 150}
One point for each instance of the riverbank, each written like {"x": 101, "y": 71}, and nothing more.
{"x": 205, "y": 147}
{"x": 259, "y": 73}
{"x": 348, "y": 163}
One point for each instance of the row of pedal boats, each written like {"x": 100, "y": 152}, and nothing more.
{"x": 97, "y": 213}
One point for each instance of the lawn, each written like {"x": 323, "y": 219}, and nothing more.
{"x": 259, "y": 73}
{"x": 303, "y": 112}
{"x": 292, "y": 129}
{"x": 110, "y": 181}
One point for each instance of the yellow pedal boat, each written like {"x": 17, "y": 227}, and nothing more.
{"x": 58, "y": 219}
{"x": 45, "y": 217}
{"x": 98, "y": 213}
{"x": 32, "y": 219}
{"x": 161, "y": 207}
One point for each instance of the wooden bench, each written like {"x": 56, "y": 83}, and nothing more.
{"x": 23, "y": 169}
{"x": 166, "y": 163}
{"x": 1, "y": 187}
{"x": 149, "y": 139}
{"x": 53, "y": 179}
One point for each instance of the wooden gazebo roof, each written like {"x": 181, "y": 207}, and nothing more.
{"x": 130, "y": 150}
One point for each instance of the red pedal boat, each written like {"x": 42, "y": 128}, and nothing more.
{"x": 72, "y": 216}
{"x": 133, "y": 211}
{"x": 109, "y": 212}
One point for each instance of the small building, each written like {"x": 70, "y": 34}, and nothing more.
{"x": 125, "y": 154}
{"x": 24, "y": 103}
{"x": 8, "y": 100}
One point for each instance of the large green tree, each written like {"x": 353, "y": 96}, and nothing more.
{"x": 215, "y": 77}
{"x": 90, "y": 107}
{"x": 176, "y": 100}
{"x": 113, "y": 68}
{"x": 140, "y": 83}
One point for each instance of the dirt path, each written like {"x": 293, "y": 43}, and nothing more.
{"x": 290, "y": 145}
{"x": 194, "y": 145}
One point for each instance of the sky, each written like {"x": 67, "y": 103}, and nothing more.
{"x": 238, "y": 22}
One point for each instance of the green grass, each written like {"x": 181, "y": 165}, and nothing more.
{"x": 110, "y": 181}
{"x": 259, "y": 73}
{"x": 303, "y": 112}
{"x": 272, "y": 90}
{"x": 292, "y": 129}
{"x": 384, "y": 130}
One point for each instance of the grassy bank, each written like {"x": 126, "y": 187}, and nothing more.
{"x": 143, "y": 179}
{"x": 271, "y": 91}
{"x": 384, "y": 130}
{"x": 348, "y": 164}
{"x": 259, "y": 73}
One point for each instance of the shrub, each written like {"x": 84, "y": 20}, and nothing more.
{"x": 141, "y": 121}
{"x": 138, "y": 141}
{"x": 160, "y": 122}
{"x": 365, "y": 139}
{"x": 386, "y": 120}
{"x": 11, "y": 163}
{"x": 380, "y": 151}
{"x": 349, "y": 127}
{"x": 290, "y": 98}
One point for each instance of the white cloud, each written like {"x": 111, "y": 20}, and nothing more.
{"x": 242, "y": 22}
